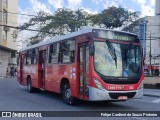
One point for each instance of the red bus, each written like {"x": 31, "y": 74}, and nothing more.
{"x": 90, "y": 64}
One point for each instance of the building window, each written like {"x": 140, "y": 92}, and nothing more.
{"x": 4, "y": 16}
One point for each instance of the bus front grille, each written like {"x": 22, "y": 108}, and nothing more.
{"x": 116, "y": 95}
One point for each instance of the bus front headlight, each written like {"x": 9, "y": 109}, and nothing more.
{"x": 141, "y": 86}
{"x": 98, "y": 84}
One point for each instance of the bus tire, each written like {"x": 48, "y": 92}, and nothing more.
{"x": 67, "y": 95}
{"x": 29, "y": 86}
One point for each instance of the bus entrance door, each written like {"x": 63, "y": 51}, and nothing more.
{"x": 21, "y": 68}
{"x": 84, "y": 71}
{"x": 42, "y": 61}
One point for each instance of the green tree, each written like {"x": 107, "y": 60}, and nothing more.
{"x": 114, "y": 17}
{"x": 62, "y": 22}
{"x": 65, "y": 20}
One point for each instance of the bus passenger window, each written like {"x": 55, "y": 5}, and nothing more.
{"x": 34, "y": 59}
{"x": 87, "y": 59}
{"x": 54, "y": 53}
{"x": 72, "y": 50}
{"x": 29, "y": 56}
{"x": 68, "y": 51}
{"x": 65, "y": 52}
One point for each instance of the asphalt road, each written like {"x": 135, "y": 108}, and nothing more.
{"x": 14, "y": 97}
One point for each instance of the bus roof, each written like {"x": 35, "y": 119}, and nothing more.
{"x": 63, "y": 37}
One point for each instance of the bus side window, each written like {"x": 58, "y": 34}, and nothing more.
{"x": 34, "y": 57}
{"x": 68, "y": 51}
{"x": 72, "y": 50}
{"x": 65, "y": 52}
{"x": 54, "y": 53}
{"x": 50, "y": 51}
{"x": 24, "y": 61}
{"x": 29, "y": 56}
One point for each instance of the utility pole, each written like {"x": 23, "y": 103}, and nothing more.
{"x": 150, "y": 58}
{"x": 144, "y": 37}
{"x": 143, "y": 31}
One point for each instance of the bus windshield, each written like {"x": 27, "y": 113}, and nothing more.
{"x": 117, "y": 60}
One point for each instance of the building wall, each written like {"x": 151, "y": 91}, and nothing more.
{"x": 8, "y": 42}
{"x": 5, "y": 60}
{"x": 1, "y": 8}
{"x": 157, "y": 13}
{"x": 153, "y": 34}
{"x": 148, "y": 31}
{"x": 12, "y": 21}
{"x": 157, "y": 4}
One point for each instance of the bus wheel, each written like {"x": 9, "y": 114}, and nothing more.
{"x": 67, "y": 96}
{"x": 30, "y": 88}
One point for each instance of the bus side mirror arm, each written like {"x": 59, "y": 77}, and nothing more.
{"x": 91, "y": 49}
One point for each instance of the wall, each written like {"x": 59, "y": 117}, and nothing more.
{"x": 12, "y": 21}
{"x": 4, "y": 58}
{"x": 152, "y": 30}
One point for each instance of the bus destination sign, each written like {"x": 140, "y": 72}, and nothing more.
{"x": 114, "y": 35}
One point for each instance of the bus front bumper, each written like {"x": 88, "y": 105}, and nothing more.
{"x": 102, "y": 95}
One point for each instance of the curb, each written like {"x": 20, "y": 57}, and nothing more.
{"x": 151, "y": 95}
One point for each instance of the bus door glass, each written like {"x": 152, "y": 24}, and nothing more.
{"x": 22, "y": 62}
{"x": 42, "y": 61}
{"x": 84, "y": 70}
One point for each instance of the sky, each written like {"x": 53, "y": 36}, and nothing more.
{"x": 146, "y": 7}
{"x": 32, "y": 7}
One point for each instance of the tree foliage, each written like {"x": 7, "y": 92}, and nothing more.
{"x": 65, "y": 20}
{"x": 114, "y": 17}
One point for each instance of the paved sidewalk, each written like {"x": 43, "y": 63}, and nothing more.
{"x": 151, "y": 92}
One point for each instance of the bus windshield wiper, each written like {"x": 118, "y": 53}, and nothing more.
{"x": 112, "y": 52}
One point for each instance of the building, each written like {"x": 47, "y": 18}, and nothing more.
{"x": 148, "y": 33}
{"x": 157, "y": 13}
{"x": 8, "y": 45}
{"x": 147, "y": 29}
{"x": 157, "y": 4}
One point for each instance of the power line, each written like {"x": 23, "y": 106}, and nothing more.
{"x": 19, "y": 13}
{"x": 36, "y": 16}
{"x": 25, "y": 29}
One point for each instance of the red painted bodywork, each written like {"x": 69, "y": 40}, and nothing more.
{"x": 54, "y": 73}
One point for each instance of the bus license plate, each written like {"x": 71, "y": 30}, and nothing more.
{"x": 122, "y": 97}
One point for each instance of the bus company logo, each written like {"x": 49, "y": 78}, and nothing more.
{"x": 29, "y": 69}
{"x": 6, "y": 114}
{"x": 73, "y": 72}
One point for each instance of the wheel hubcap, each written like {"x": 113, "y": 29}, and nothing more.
{"x": 68, "y": 93}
